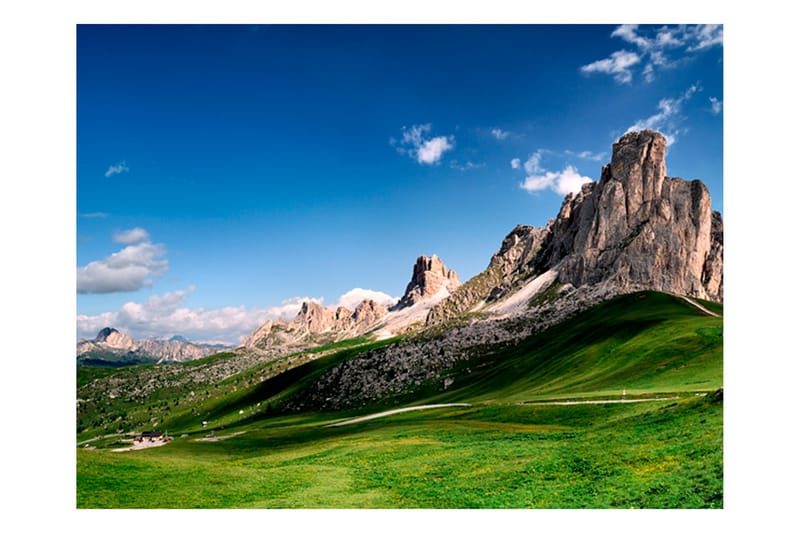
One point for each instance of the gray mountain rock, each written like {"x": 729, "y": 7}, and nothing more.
{"x": 633, "y": 229}
{"x": 638, "y": 228}
{"x": 429, "y": 277}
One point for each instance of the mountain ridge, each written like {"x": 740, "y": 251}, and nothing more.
{"x": 112, "y": 346}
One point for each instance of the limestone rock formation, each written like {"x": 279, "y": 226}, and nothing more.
{"x": 315, "y": 325}
{"x": 429, "y": 278}
{"x": 369, "y": 312}
{"x": 638, "y": 228}
{"x": 114, "y": 339}
{"x": 633, "y": 229}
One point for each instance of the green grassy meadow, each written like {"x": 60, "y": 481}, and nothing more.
{"x": 508, "y": 450}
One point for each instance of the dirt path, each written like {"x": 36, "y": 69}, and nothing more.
{"x": 700, "y": 307}
{"x": 599, "y": 402}
{"x": 216, "y": 438}
{"x": 395, "y": 411}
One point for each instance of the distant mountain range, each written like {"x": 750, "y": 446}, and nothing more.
{"x": 112, "y": 348}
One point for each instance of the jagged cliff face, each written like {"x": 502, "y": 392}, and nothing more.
{"x": 638, "y": 228}
{"x": 429, "y": 278}
{"x": 315, "y": 325}
{"x": 634, "y": 229}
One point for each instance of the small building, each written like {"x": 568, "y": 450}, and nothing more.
{"x": 151, "y": 434}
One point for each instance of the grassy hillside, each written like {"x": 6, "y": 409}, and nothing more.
{"x": 642, "y": 343}
{"x": 505, "y": 451}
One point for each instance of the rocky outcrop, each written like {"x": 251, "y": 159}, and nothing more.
{"x": 315, "y": 325}
{"x": 429, "y": 278}
{"x": 637, "y": 228}
{"x": 112, "y": 338}
{"x": 369, "y": 312}
{"x": 634, "y": 229}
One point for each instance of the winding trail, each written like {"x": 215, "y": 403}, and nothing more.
{"x": 600, "y": 402}
{"x": 700, "y": 307}
{"x": 395, "y": 411}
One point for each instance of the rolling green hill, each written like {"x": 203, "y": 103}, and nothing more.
{"x": 510, "y": 449}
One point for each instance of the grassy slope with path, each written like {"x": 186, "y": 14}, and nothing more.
{"x": 496, "y": 454}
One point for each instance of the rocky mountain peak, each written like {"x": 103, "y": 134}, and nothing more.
{"x": 638, "y": 228}
{"x": 638, "y": 162}
{"x": 103, "y": 334}
{"x": 114, "y": 339}
{"x": 429, "y": 277}
{"x": 315, "y": 317}
{"x": 369, "y": 312}
{"x": 633, "y": 229}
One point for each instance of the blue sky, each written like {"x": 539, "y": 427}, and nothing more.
{"x": 224, "y": 173}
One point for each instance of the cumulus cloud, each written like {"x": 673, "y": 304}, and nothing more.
{"x": 499, "y": 134}
{"x": 538, "y": 178}
{"x": 431, "y": 150}
{"x": 567, "y": 181}
{"x": 618, "y": 64}
{"x": 353, "y": 297}
{"x": 716, "y": 105}
{"x": 417, "y": 143}
{"x": 165, "y": 315}
{"x": 533, "y": 164}
{"x": 131, "y": 236}
{"x": 656, "y": 48}
{"x": 515, "y": 163}
{"x": 669, "y": 116}
{"x": 289, "y": 308}
{"x": 127, "y": 270}
{"x": 119, "y": 168}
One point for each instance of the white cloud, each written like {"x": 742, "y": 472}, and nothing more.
{"x": 669, "y": 116}
{"x": 564, "y": 182}
{"x": 657, "y": 48}
{"x": 706, "y": 36}
{"x": 533, "y": 164}
{"x": 499, "y": 134}
{"x": 469, "y": 165}
{"x": 289, "y": 308}
{"x": 353, "y": 297}
{"x": 131, "y": 236}
{"x": 515, "y": 163}
{"x": 716, "y": 105}
{"x": 627, "y": 32}
{"x": 127, "y": 270}
{"x": 618, "y": 64}
{"x": 119, "y": 168}
{"x": 166, "y": 315}
{"x": 425, "y": 150}
{"x": 431, "y": 150}
{"x": 586, "y": 154}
